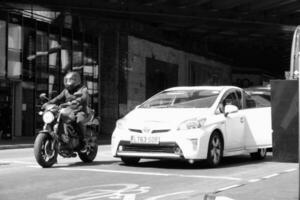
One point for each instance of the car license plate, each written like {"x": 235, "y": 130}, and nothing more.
{"x": 144, "y": 140}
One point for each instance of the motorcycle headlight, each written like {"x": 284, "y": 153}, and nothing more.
{"x": 48, "y": 117}
{"x": 191, "y": 124}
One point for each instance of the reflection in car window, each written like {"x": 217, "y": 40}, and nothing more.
{"x": 261, "y": 100}
{"x": 182, "y": 99}
{"x": 250, "y": 103}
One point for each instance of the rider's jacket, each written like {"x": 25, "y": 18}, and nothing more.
{"x": 79, "y": 98}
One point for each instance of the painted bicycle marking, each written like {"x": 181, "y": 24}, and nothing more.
{"x": 109, "y": 191}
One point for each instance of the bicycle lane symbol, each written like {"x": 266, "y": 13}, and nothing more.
{"x": 110, "y": 191}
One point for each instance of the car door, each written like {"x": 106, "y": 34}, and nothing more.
{"x": 234, "y": 123}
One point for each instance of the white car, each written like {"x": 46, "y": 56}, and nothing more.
{"x": 194, "y": 123}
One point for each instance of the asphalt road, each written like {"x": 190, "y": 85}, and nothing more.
{"x": 107, "y": 178}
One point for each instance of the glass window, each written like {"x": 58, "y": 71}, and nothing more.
{"x": 90, "y": 72}
{"x": 65, "y": 55}
{"x": 42, "y": 62}
{"x": 182, "y": 99}
{"x": 53, "y": 85}
{"x": 2, "y": 47}
{"x": 231, "y": 99}
{"x": 14, "y": 50}
{"x": 30, "y": 54}
{"x": 77, "y": 54}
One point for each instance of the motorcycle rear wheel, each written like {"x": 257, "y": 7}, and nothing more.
{"x": 44, "y": 152}
{"x": 92, "y": 149}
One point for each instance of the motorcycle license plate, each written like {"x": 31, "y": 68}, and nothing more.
{"x": 144, "y": 140}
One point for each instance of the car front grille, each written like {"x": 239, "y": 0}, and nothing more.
{"x": 161, "y": 148}
{"x": 152, "y": 131}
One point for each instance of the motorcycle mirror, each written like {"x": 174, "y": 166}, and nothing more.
{"x": 43, "y": 96}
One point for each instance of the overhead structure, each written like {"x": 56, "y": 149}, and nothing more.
{"x": 254, "y": 30}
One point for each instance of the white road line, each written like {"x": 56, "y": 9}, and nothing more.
{"x": 115, "y": 171}
{"x": 211, "y": 177}
{"x": 170, "y": 194}
{"x": 149, "y": 173}
{"x": 17, "y": 162}
{"x": 254, "y": 180}
{"x": 229, "y": 187}
{"x": 290, "y": 170}
{"x": 270, "y": 176}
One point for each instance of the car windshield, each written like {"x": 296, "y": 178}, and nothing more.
{"x": 182, "y": 99}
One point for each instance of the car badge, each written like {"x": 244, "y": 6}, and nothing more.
{"x": 146, "y": 130}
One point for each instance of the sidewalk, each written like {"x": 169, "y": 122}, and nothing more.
{"x": 27, "y": 142}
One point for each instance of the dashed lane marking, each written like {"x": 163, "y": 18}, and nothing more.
{"x": 228, "y": 188}
{"x": 253, "y": 180}
{"x": 270, "y": 176}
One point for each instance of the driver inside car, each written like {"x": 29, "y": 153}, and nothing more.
{"x": 75, "y": 98}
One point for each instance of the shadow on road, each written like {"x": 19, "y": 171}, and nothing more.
{"x": 82, "y": 164}
{"x": 227, "y": 162}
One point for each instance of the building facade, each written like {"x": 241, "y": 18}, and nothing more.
{"x": 34, "y": 57}
{"x": 120, "y": 67}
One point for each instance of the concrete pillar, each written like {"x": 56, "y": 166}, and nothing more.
{"x": 109, "y": 81}
{"x": 285, "y": 120}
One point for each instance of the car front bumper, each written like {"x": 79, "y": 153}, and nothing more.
{"x": 191, "y": 144}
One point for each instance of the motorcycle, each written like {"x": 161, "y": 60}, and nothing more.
{"x": 60, "y": 136}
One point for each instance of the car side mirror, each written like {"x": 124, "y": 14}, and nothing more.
{"x": 137, "y": 106}
{"x": 230, "y": 109}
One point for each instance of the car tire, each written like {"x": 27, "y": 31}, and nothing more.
{"x": 130, "y": 160}
{"x": 260, "y": 154}
{"x": 215, "y": 150}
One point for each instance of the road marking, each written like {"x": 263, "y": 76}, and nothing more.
{"x": 116, "y": 171}
{"x": 149, "y": 173}
{"x": 290, "y": 170}
{"x": 168, "y": 195}
{"x": 229, "y": 187}
{"x": 121, "y": 191}
{"x": 210, "y": 177}
{"x": 270, "y": 176}
{"x": 17, "y": 162}
{"x": 254, "y": 180}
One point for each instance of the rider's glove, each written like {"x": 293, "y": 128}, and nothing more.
{"x": 44, "y": 106}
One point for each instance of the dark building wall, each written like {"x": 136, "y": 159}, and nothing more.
{"x": 110, "y": 86}
{"x": 285, "y": 120}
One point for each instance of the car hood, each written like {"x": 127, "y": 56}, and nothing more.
{"x": 162, "y": 118}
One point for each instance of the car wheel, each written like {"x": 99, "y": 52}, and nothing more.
{"x": 215, "y": 150}
{"x": 130, "y": 160}
{"x": 260, "y": 154}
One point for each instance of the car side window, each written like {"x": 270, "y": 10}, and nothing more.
{"x": 249, "y": 102}
{"x": 229, "y": 99}
{"x": 239, "y": 99}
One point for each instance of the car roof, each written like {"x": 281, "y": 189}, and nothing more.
{"x": 201, "y": 88}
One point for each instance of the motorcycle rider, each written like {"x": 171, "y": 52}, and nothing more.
{"x": 75, "y": 97}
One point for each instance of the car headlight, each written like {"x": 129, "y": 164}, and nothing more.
{"x": 48, "y": 117}
{"x": 121, "y": 124}
{"x": 191, "y": 124}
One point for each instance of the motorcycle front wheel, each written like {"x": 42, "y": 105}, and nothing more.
{"x": 45, "y": 151}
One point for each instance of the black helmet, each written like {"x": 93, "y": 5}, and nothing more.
{"x": 72, "y": 80}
